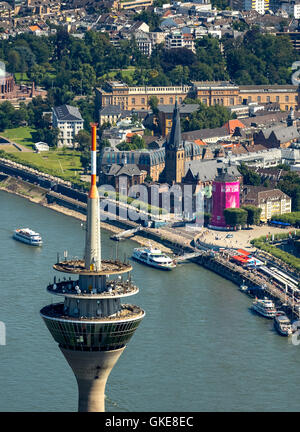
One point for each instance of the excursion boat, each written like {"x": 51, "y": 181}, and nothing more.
{"x": 28, "y": 236}
{"x": 282, "y": 324}
{"x": 264, "y": 307}
{"x": 153, "y": 257}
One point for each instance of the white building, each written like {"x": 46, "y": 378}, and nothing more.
{"x": 261, "y": 6}
{"x": 177, "y": 39}
{"x": 41, "y": 146}
{"x": 143, "y": 42}
{"x": 292, "y": 8}
{"x": 68, "y": 119}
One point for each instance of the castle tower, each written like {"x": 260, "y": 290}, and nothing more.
{"x": 174, "y": 158}
{"x": 225, "y": 194}
{"x": 91, "y": 325}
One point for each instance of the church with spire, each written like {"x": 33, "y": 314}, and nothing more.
{"x": 178, "y": 152}
{"x": 174, "y": 151}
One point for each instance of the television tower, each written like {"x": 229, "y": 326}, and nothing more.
{"x": 92, "y": 326}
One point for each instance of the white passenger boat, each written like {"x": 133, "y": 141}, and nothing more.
{"x": 282, "y": 324}
{"x": 28, "y": 236}
{"x": 153, "y": 257}
{"x": 264, "y": 307}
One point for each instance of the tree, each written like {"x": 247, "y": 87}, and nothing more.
{"x": 206, "y": 117}
{"x": 85, "y": 159}
{"x": 250, "y": 177}
{"x": 235, "y": 217}
{"x": 83, "y": 138}
{"x": 153, "y": 102}
{"x": 136, "y": 143}
{"x": 253, "y": 217}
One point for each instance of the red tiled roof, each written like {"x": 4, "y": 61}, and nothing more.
{"x": 232, "y": 124}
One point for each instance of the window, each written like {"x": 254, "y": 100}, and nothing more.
{"x": 133, "y": 100}
{"x": 231, "y": 101}
{"x": 258, "y": 98}
{"x": 286, "y": 107}
{"x": 161, "y": 100}
{"x": 277, "y": 98}
{"x": 171, "y": 100}
{"x": 204, "y": 101}
{"x": 180, "y": 99}
{"x": 268, "y": 99}
{"x": 249, "y": 99}
{"x": 286, "y": 98}
{"x": 143, "y": 100}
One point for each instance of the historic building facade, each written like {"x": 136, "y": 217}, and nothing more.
{"x": 210, "y": 93}
{"x": 118, "y": 93}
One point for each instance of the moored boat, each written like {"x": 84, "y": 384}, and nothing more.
{"x": 282, "y": 324}
{"x": 264, "y": 307}
{"x": 153, "y": 257}
{"x": 28, "y": 236}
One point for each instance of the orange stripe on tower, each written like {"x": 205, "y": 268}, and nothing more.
{"x": 94, "y": 136}
{"x": 93, "y": 193}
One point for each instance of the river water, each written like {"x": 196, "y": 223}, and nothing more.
{"x": 199, "y": 348}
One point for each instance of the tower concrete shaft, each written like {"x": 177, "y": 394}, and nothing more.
{"x": 92, "y": 242}
{"x": 91, "y": 370}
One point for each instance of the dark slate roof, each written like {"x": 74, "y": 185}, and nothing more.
{"x": 67, "y": 113}
{"x": 174, "y": 141}
{"x": 184, "y": 108}
{"x": 129, "y": 170}
{"x": 282, "y": 133}
{"x": 207, "y": 170}
{"x": 224, "y": 176}
{"x": 206, "y": 133}
{"x": 113, "y": 110}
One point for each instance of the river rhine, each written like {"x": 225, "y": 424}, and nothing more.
{"x": 199, "y": 348}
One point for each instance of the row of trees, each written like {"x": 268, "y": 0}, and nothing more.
{"x": 206, "y": 117}
{"x": 246, "y": 215}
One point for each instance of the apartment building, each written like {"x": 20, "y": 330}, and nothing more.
{"x": 177, "y": 39}
{"x": 271, "y": 201}
{"x": 143, "y": 42}
{"x": 68, "y": 119}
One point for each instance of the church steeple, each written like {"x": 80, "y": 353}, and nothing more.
{"x": 175, "y": 142}
{"x": 175, "y": 156}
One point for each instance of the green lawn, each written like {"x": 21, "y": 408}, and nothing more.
{"x": 20, "y": 77}
{"x": 124, "y": 72}
{"x": 21, "y": 135}
{"x": 60, "y": 163}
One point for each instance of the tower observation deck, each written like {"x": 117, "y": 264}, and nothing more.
{"x": 91, "y": 325}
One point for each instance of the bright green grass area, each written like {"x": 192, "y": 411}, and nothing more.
{"x": 126, "y": 73}
{"x": 21, "y": 135}
{"x": 60, "y": 163}
{"x": 63, "y": 163}
{"x": 21, "y": 77}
